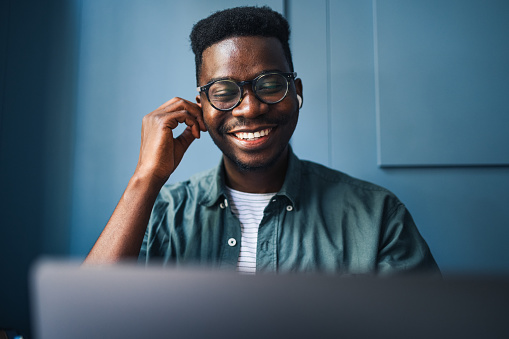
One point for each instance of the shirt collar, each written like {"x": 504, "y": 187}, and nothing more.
{"x": 291, "y": 185}
{"x": 217, "y": 187}
{"x": 290, "y": 188}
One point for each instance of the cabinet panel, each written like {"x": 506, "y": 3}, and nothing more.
{"x": 442, "y": 82}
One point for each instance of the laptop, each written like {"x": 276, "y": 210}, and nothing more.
{"x": 132, "y": 301}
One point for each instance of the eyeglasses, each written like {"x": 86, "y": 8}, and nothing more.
{"x": 270, "y": 88}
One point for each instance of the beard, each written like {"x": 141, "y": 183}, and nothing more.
{"x": 260, "y": 166}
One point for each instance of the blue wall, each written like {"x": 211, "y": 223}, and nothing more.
{"x": 384, "y": 100}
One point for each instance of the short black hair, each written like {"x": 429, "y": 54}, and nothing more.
{"x": 239, "y": 21}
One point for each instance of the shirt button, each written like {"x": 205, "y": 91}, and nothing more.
{"x": 232, "y": 242}
{"x": 224, "y": 204}
{"x": 289, "y": 208}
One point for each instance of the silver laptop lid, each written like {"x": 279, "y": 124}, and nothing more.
{"x": 129, "y": 301}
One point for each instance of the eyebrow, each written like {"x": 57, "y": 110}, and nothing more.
{"x": 236, "y": 80}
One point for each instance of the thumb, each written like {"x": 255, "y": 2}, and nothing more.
{"x": 182, "y": 143}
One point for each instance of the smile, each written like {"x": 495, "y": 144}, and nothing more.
{"x": 253, "y": 135}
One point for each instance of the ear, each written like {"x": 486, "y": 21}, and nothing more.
{"x": 198, "y": 100}
{"x": 298, "y": 89}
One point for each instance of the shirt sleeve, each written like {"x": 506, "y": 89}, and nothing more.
{"x": 402, "y": 248}
{"x": 155, "y": 240}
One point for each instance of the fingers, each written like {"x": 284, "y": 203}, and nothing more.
{"x": 183, "y": 117}
{"x": 179, "y": 104}
{"x": 177, "y": 111}
{"x": 160, "y": 150}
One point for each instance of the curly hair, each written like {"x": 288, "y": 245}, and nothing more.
{"x": 235, "y": 22}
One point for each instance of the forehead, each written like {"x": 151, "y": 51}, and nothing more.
{"x": 242, "y": 58}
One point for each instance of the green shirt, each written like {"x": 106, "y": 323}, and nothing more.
{"x": 321, "y": 220}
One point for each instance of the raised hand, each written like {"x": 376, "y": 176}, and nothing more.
{"x": 161, "y": 152}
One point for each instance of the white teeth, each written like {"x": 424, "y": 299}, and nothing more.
{"x": 253, "y": 136}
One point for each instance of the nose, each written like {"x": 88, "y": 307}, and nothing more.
{"x": 250, "y": 107}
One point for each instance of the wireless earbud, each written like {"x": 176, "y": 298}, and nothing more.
{"x": 299, "y": 99}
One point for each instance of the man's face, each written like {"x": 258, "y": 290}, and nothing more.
{"x": 272, "y": 125}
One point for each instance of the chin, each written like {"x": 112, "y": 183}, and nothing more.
{"x": 255, "y": 162}
{"x": 252, "y": 166}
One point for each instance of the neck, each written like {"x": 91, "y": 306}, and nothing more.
{"x": 264, "y": 180}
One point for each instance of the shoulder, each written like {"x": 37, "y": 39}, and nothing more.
{"x": 320, "y": 173}
{"x": 335, "y": 188}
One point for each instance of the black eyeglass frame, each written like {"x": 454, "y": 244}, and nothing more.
{"x": 241, "y": 84}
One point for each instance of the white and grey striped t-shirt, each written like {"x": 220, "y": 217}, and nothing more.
{"x": 248, "y": 208}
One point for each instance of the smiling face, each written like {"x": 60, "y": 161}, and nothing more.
{"x": 253, "y": 135}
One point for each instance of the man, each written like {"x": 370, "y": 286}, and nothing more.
{"x": 261, "y": 209}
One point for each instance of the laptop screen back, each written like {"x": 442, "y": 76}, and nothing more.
{"x": 125, "y": 301}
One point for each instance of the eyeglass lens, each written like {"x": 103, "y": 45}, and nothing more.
{"x": 270, "y": 88}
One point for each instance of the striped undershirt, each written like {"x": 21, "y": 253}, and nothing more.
{"x": 248, "y": 208}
